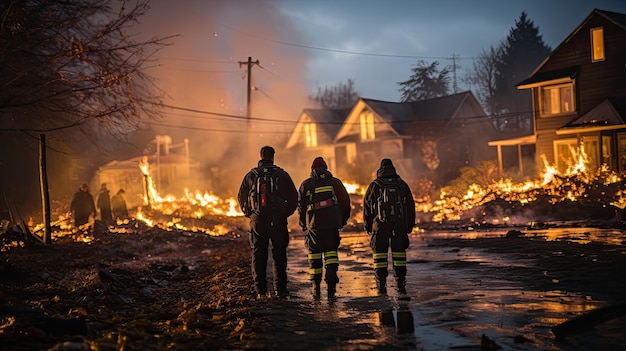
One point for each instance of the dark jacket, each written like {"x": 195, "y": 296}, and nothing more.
{"x": 321, "y": 177}
{"x": 372, "y": 193}
{"x": 82, "y": 204}
{"x": 287, "y": 194}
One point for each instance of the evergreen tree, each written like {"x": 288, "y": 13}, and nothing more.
{"x": 426, "y": 82}
{"x": 522, "y": 51}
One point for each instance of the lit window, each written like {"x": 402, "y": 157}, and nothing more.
{"x": 557, "y": 99}
{"x": 310, "y": 134}
{"x": 367, "y": 125}
{"x": 597, "y": 44}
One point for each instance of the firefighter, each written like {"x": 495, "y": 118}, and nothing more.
{"x": 82, "y": 206}
{"x": 388, "y": 226}
{"x": 104, "y": 204}
{"x": 324, "y": 208}
{"x": 268, "y": 206}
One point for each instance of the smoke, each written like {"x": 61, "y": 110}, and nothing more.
{"x": 205, "y": 69}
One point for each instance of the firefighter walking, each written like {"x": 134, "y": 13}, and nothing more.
{"x": 268, "y": 196}
{"x": 324, "y": 208}
{"x": 389, "y": 215}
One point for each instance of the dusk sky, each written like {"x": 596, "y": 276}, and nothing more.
{"x": 305, "y": 44}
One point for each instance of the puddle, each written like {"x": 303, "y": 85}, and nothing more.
{"x": 453, "y": 301}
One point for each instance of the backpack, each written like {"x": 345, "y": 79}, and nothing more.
{"x": 390, "y": 205}
{"x": 323, "y": 211}
{"x": 262, "y": 197}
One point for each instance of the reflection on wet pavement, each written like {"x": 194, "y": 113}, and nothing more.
{"x": 456, "y": 295}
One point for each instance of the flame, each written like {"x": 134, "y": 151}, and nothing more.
{"x": 354, "y": 188}
{"x": 571, "y": 185}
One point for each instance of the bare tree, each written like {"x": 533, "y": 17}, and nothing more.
{"x": 426, "y": 82}
{"x": 73, "y": 65}
{"x": 339, "y": 96}
{"x": 482, "y": 76}
{"x": 71, "y": 69}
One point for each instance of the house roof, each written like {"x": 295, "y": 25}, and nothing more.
{"x": 437, "y": 109}
{"x": 329, "y": 121}
{"x": 133, "y": 163}
{"x": 557, "y": 76}
{"x": 610, "y": 114}
{"x": 619, "y": 19}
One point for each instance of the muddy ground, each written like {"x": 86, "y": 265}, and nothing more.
{"x": 151, "y": 289}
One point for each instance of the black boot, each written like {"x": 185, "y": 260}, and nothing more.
{"x": 316, "y": 290}
{"x": 332, "y": 290}
{"x": 401, "y": 285}
{"x": 382, "y": 285}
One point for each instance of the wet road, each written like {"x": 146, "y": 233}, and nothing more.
{"x": 456, "y": 295}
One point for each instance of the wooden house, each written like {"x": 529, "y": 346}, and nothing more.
{"x": 425, "y": 139}
{"x": 579, "y": 97}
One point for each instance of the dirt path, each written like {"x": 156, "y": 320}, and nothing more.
{"x": 150, "y": 289}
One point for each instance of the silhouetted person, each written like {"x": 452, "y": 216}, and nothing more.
{"x": 104, "y": 204}
{"x": 268, "y": 197}
{"x": 118, "y": 205}
{"x": 82, "y": 206}
{"x": 324, "y": 208}
{"x": 389, "y": 215}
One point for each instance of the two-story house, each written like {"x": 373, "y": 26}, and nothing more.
{"x": 426, "y": 139}
{"x": 579, "y": 97}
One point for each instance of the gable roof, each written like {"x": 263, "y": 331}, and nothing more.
{"x": 619, "y": 19}
{"x": 396, "y": 114}
{"x": 610, "y": 114}
{"x": 328, "y": 121}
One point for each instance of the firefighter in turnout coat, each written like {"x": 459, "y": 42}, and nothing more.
{"x": 268, "y": 220}
{"x": 385, "y": 229}
{"x": 324, "y": 208}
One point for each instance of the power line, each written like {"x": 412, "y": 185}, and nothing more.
{"x": 310, "y": 47}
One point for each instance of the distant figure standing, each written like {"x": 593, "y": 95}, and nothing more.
{"x": 389, "y": 215}
{"x": 324, "y": 208}
{"x": 118, "y": 205}
{"x": 104, "y": 204}
{"x": 82, "y": 206}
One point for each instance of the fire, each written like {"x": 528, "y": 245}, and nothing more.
{"x": 572, "y": 185}
{"x": 192, "y": 204}
{"x": 354, "y": 188}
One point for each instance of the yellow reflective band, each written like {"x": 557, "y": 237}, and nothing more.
{"x": 399, "y": 263}
{"x": 380, "y": 264}
{"x": 313, "y": 256}
{"x": 330, "y": 254}
{"x": 324, "y": 189}
{"x": 380, "y": 255}
{"x": 314, "y": 271}
{"x": 330, "y": 260}
{"x": 398, "y": 254}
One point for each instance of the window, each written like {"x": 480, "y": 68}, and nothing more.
{"x": 621, "y": 151}
{"x": 564, "y": 152}
{"x": 310, "y": 134}
{"x": 597, "y": 44}
{"x": 591, "y": 148}
{"x": 557, "y": 99}
{"x": 367, "y": 125}
{"x": 606, "y": 150}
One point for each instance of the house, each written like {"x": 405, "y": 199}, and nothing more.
{"x": 314, "y": 136}
{"x": 426, "y": 139}
{"x": 170, "y": 171}
{"x": 579, "y": 97}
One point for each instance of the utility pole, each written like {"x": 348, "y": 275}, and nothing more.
{"x": 455, "y": 87}
{"x": 45, "y": 193}
{"x": 248, "y": 111}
